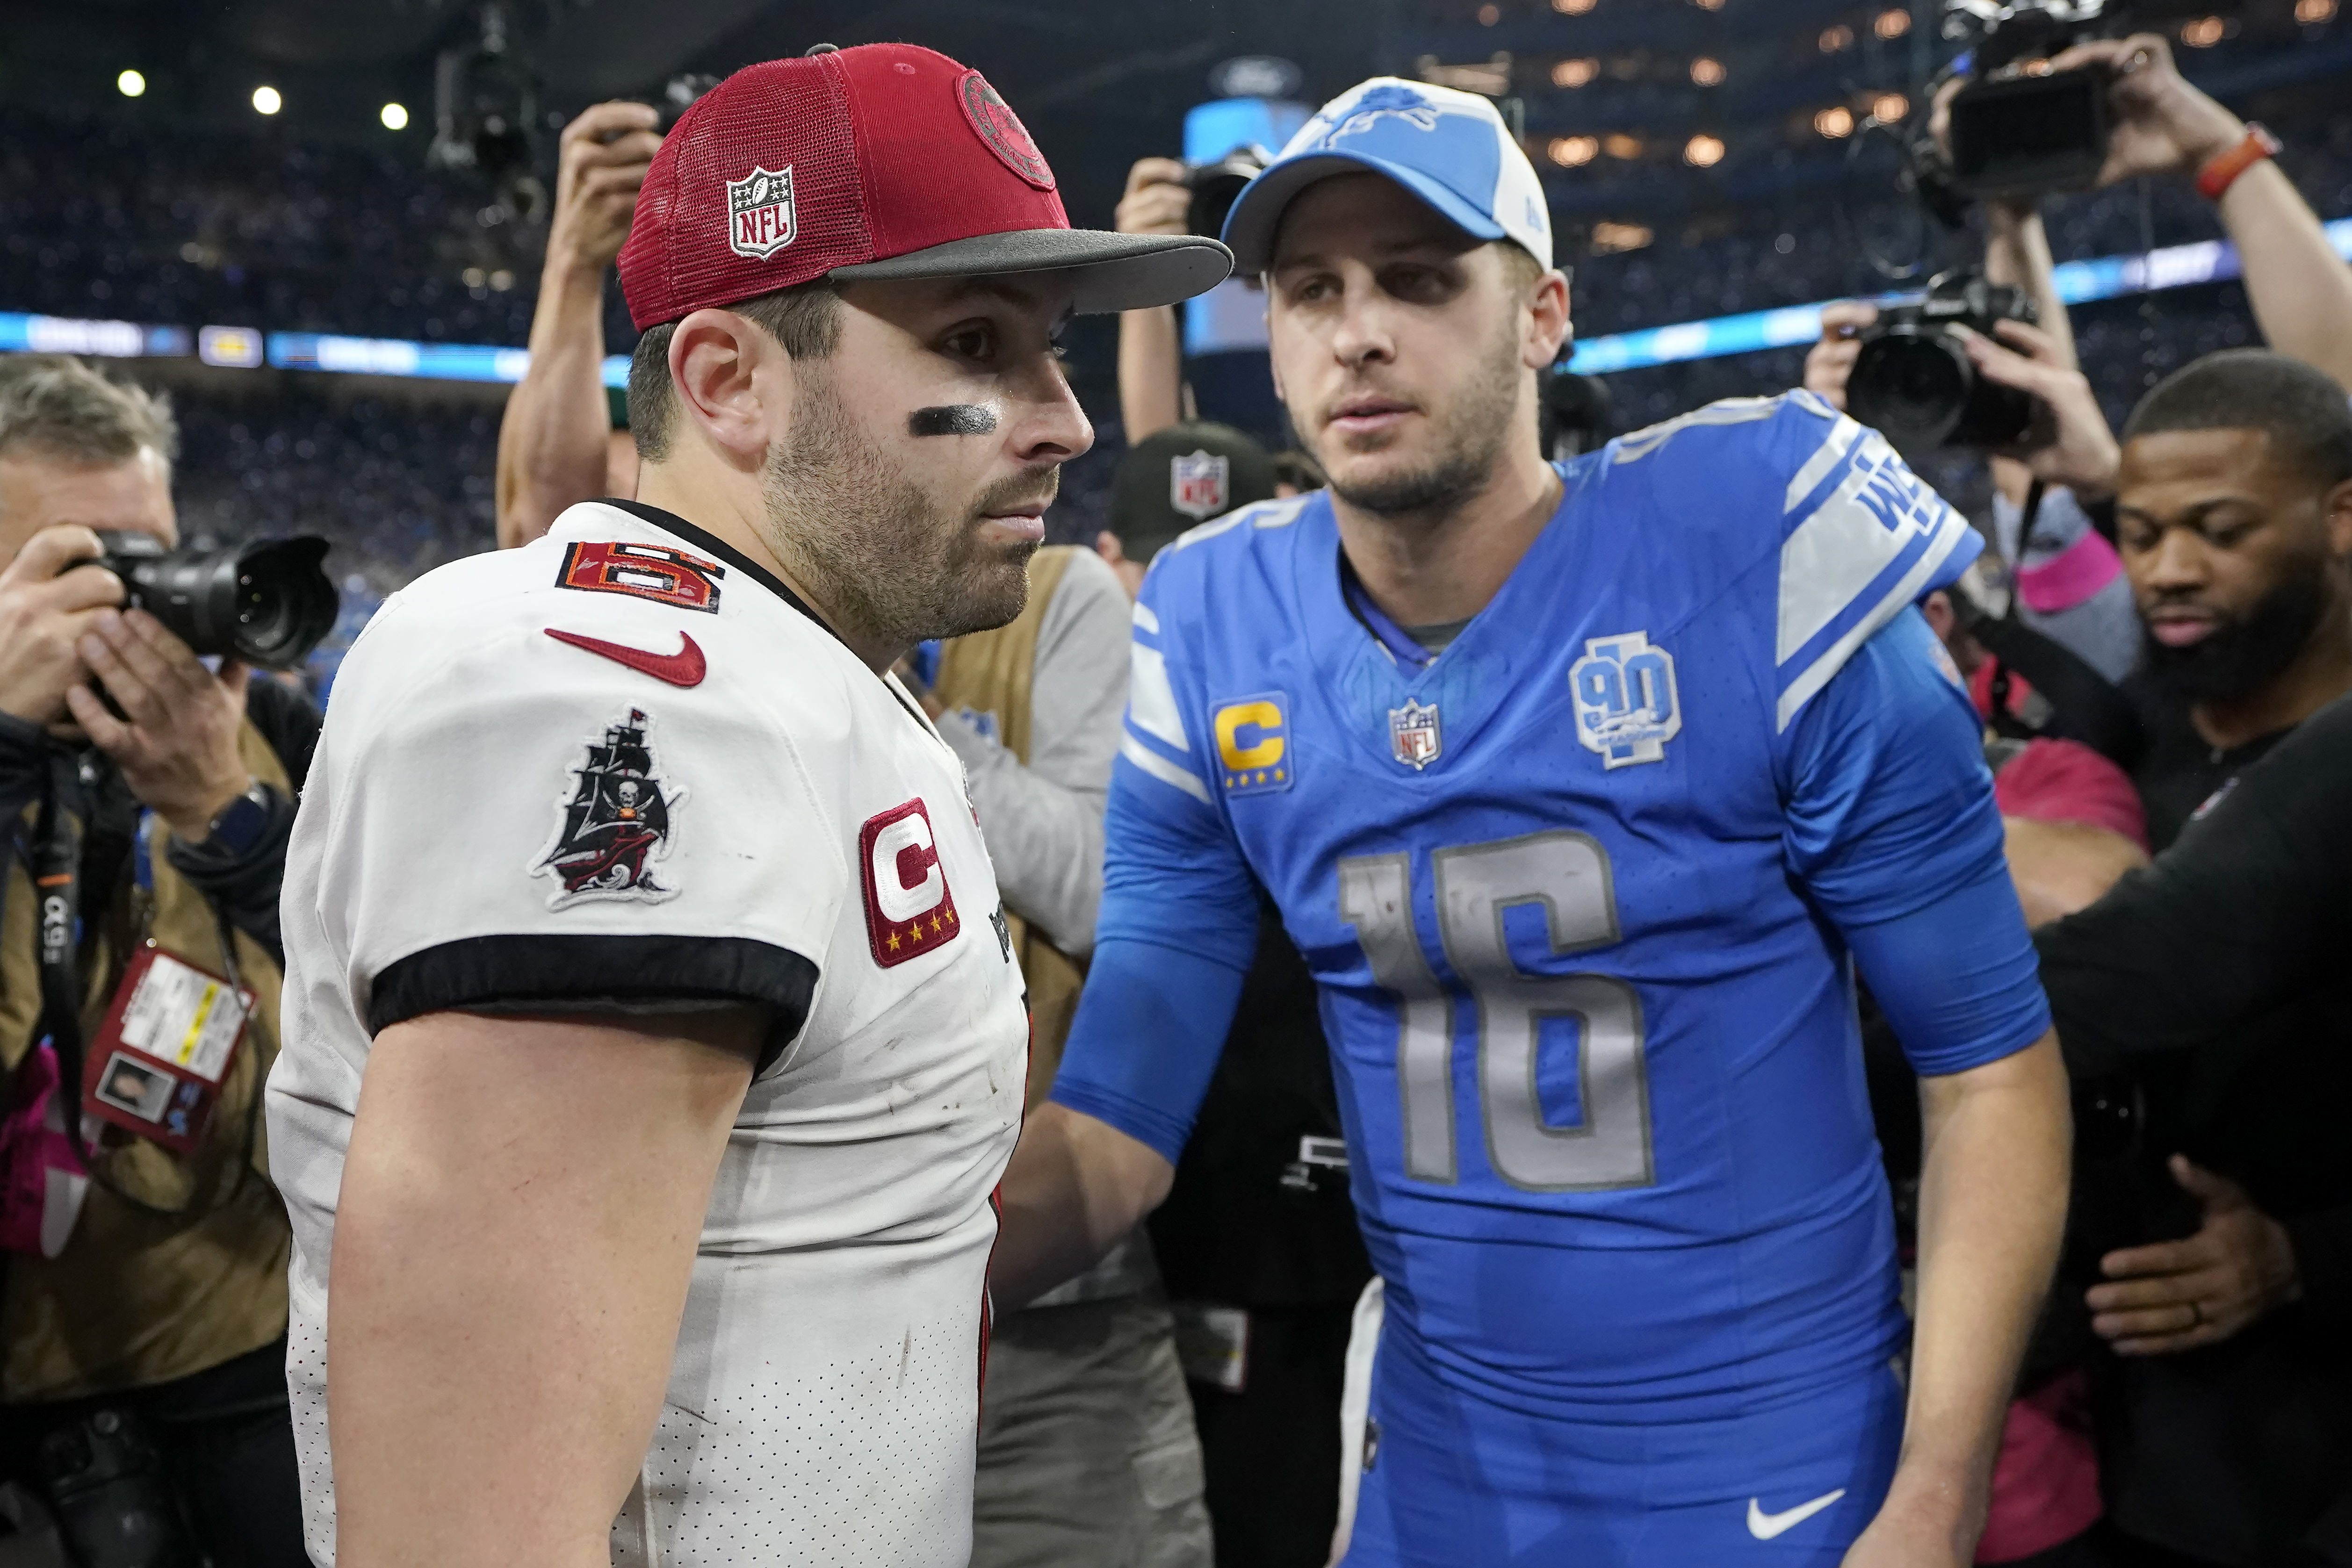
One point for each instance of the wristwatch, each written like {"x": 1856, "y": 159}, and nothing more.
{"x": 241, "y": 822}
{"x": 2223, "y": 170}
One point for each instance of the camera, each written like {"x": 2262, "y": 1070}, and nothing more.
{"x": 1915, "y": 383}
{"x": 1217, "y": 184}
{"x": 113, "y": 1505}
{"x": 2017, "y": 127}
{"x": 265, "y": 601}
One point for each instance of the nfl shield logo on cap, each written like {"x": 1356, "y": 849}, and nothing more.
{"x": 1197, "y": 483}
{"x": 760, "y": 219}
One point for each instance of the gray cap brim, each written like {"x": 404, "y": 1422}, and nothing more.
{"x": 1107, "y": 271}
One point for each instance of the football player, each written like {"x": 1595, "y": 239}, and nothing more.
{"x": 654, "y": 1040}
{"x": 1585, "y": 790}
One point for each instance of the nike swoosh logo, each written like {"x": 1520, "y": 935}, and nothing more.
{"x": 683, "y": 668}
{"x": 1765, "y": 1526}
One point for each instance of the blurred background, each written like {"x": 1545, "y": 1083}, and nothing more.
{"x": 318, "y": 223}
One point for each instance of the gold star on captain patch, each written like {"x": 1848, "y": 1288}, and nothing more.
{"x": 1261, "y": 775}
{"x": 951, "y": 917}
{"x": 935, "y": 924}
{"x": 915, "y": 931}
{"x": 894, "y": 941}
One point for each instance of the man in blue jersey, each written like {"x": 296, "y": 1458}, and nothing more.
{"x": 1584, "y": 790}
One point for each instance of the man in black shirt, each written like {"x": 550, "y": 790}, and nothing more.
{"x": 2224, "y": 1421}
{"x": 2234, "y": 520}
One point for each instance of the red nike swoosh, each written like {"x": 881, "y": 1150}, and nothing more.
{"x": 683, "y": 668}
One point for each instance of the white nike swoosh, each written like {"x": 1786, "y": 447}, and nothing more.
{"x": 1765, "y": 1526}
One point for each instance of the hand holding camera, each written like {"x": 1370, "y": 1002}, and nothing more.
{"x": 601, "y": 161}
{"x": 1157, "y": 199}
{"x": 50, "y": 596}
{"x": 2068, "y": 443}
{"x": 2157, "y": 123}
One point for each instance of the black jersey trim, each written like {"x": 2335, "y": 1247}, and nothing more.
{"x": 585, "y": 974}
{"x": 671, "y": 523}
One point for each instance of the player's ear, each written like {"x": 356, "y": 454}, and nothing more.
{"x": 735, "y": 383}
{"x": 1547, "y": 322}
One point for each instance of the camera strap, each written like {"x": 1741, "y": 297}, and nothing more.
{"x": 64, "y": 858}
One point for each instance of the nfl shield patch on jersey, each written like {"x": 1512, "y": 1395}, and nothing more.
{"x": 908, "y": 909}
{"x": 1415, "y": 738}
{"x": 1199, "y": 484}
{"x": 615, "y": 824}
{"x": 1626, "y": 707}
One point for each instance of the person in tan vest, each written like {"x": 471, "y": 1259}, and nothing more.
{"x": 143, "y": 1316}
{"x": 1088, "y": 1453}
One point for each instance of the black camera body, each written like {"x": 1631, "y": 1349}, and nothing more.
{"x": 1216, "y": 185}
{"x": 1913, "y": 382}
{"x": 2018, "y": 127}
{"x": 113, "y": 1505}
{"x": 265, "y": 601}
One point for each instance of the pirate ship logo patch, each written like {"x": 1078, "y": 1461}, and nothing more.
{"x": 615, "y": 826}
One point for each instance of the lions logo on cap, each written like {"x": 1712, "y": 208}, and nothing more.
{"x": 1386, "y": 98}
{"x": 760, "y": 217}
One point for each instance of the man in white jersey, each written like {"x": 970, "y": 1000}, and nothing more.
{"x": 631, "y": 898}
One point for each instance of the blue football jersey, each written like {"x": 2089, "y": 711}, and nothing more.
{"x": 1582, "y": 938}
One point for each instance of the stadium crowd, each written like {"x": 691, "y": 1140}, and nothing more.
{"x": 2154, "y": 645}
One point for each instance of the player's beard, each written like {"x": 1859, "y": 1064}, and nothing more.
{"x": 1467, "y": 434}
{"x": 881, "y": 553}
{"x": 2240, "y": 658}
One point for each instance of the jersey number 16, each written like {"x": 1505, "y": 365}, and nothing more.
{"x": 1567, "y": 874}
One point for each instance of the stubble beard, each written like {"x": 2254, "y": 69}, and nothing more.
{"x": 880, "y": 554}
{"x": 1469, "y": 437}
{"x": 2243, "y": 656}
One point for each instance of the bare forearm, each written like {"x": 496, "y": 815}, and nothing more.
{"x": 552, "y": 440}
{"x": 2300, "y": 288}
{"x": 1150, "y": 371}
{"x": 507, "y": 1280}
{"x": 2017, "y": 251}
{"x": 1993, "y": 1203}
{"x": 1075, "y": 1186}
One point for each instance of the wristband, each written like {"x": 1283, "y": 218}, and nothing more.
{"x": 2223, "y": 170}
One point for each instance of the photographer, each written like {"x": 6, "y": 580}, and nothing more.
{"x": 144, "y": 1319}
{"x": 1151, "y": 353}
{"x": 556, "y": 442}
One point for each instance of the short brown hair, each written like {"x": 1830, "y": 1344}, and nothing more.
{"x": 57, "y": 406}
{"x": 805, "y": 320}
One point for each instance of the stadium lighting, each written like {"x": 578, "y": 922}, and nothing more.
{"x": 1489, "y": 14}
{"x": 1706, "y": 72}
{"x": 2311, "y": 13}
{"x": 1608, "y": 238}
{"x": 267, "y": 102}
{"x": 1892, "y": 24}
{"x": 1834, "y": 121}
{"x": 1574, "y": 7}
{"x": 1573, "y": 152}
{"x": 1709, "y": 5}
{"x": 1702, "y": 152}
{"x": 1621, "y": 146}
{"x": 394, "y": 116}
{"x": 2204, "y": 32}
{"x": 1889, "y": 108}
{"x": 1835, "y": 38}
{"x": 1574, "y": 73}
{"x": 131, "y": 84}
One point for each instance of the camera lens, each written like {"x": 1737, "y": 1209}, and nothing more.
{"x": 267, "y": 603}
{"x": 1912, "y": 386}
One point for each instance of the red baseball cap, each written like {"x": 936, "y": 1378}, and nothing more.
{"x": 885, "y": 160}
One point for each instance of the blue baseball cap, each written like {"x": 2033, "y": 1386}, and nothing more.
{"x": 1450, "y": 149}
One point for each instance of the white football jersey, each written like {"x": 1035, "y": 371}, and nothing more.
{"x": 622, "y": 767}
